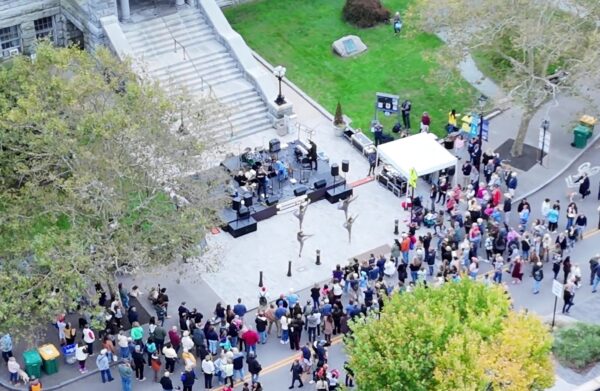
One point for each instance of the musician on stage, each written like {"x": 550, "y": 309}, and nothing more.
{"x": 312, "y": 155}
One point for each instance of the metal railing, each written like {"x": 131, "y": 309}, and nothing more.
{"x": 203, "y": 83}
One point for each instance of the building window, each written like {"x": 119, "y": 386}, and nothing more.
{"x": 44, "y": 27}
{"x": 10, "y": 40}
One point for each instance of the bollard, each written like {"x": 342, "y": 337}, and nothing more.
{"x": 289, "y": 273}
{"x": 318, "y": 258}
{"x": 396, "y": 227}
{"x": 260, "y": 279}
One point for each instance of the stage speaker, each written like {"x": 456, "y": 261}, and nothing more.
{"x": 274, "y": 145}
{"x": 335, "y": 169}
{"x": 248, "y": 199}
{"x": 321, "y": 183}
{"x": 345, "y": 165}
{"x": 272, "y": 200}
{"x": 236, "y": 202}
{"x": 243, "y": 213}
{"x": 300, "y": 190}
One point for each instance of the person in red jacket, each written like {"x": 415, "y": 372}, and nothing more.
{"x": 175, "y": 338}
{"x": 250, "y": 338}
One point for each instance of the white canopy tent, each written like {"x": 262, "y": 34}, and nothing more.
{"x": 421, "y": 151}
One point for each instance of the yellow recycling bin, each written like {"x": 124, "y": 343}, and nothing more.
{"x": 50, "y": 356}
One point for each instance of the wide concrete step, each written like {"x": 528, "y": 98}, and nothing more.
{"x": 240, "y": 131}
{"x": 167, "y": 44}
{"x": 159, "y": 36}
{"x": 225, "y": 131}
{"x": 200, "y": 64}
{"x": 241, "y": 95}
{"x": 191, "y": 70}
{"x": 183, "y": 14}
{"x": 213, "y": 80}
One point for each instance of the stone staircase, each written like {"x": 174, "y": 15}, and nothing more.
{"x": 180, "y": 50}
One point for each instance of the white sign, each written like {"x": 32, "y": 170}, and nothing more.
{"x": 544, "y": 142}
{"x": 557, "y": 289}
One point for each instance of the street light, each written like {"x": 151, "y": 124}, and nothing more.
{"x": 545, "y": 127}
{"x": 279, "y": 72}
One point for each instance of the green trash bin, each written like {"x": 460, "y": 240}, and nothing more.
{"x": 50, "y": 356}
{"x": 33, "y": 363}
{"x": 581, "y": 134}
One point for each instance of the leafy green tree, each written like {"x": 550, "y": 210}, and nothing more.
{"x": 101, "y": 173}
{"x": 462, "y": 336}
{"x": 536, "y": 50}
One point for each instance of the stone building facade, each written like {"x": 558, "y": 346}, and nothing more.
{"x": 63, "y": 21}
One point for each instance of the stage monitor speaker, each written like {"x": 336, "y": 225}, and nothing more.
{"x": 345, "y": 165}
{"x": 244, "y": 212}
{"x": 274, "y": 145}
{"x": 236, "y": 202}
{"x": 335, "y": 169}
{"x": 321, "y": 183}
{"x": 300, "y": 190}
{"x": 247, "y": 199}
{"x": 272, "y": 200}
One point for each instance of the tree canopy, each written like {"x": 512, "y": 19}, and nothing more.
{"x": 536, "y": 49}
{"x": 101, "y": 173}
{"x": 461, "y": 336}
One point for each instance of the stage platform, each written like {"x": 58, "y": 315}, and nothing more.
{"x": 282, "y": 195}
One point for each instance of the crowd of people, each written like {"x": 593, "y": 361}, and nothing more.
{"x": 472, "y": 223}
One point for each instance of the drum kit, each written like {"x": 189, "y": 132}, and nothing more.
{"x": 258, "y": 156}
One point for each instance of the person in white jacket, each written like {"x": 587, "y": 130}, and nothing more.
{"x": 89, "y": 338}
{"x": 284, "y": 329}
{"x": 208, "y": 368}
{"x": 187, "y": 342}
{"x": 170, "y": 357}
{"x": 13, "y": 369}
{"x": 81, "y": 355}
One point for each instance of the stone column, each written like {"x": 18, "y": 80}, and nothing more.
{"x": 125, "y": 11}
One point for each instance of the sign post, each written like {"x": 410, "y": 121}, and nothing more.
{"x": 557, "y": 290}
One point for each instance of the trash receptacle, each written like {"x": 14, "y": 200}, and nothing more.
{"x": 49, "y": 355}
{"x": 33, "y": 363}
{"x": 580, "y": 136}
{"x": 68, "y": 352}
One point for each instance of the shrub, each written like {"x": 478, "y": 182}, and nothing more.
{"x": 365, "y": 13}
{"x": 579, "y": 346}
{"x": 338, "y": 118}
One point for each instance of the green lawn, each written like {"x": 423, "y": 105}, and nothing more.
{"x": 298, "y": 34}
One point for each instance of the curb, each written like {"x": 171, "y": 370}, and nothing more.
{"x": 60, "y": 385}
{"x": 560, "y": 172}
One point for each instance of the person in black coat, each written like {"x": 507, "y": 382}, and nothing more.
{"x": 584, "y": 186}
{"x": 254, "y": 367}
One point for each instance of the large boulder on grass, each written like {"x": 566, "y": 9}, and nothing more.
{"x": 365, "y": 13}
{"x": 348, "y": 46}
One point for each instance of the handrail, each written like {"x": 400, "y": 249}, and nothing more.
{"x": 186, "y": 57}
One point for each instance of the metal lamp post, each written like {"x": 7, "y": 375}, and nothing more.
{"x": 545, "y": 127}
{"x": 279, "y": 72}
